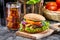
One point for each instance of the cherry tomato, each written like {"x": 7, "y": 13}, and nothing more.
{"x": 58, "y": 2}
{"x": 52, "y": 8}
{"x": 58, "y": 9}
{"x": 51, "y": 4}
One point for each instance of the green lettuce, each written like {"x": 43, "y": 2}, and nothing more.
{"x": 21, "y": 27}
{"x": 45, "y": 25}
{"x": 32, "y": 30}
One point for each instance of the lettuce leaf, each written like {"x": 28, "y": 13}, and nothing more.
{"x": 32, "y": 30}
{"x": 45, "y": 25}
{"x": 21, "y": 27}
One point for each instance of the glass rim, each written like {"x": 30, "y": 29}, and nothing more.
{"x": 8, "y": 4}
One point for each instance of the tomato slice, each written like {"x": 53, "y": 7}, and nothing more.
{"x": 37, "y": 22}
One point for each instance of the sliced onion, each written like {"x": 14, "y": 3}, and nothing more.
{"x": 23, "y": 22}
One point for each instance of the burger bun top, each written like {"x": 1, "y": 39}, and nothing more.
{"x": 34, "y": 17}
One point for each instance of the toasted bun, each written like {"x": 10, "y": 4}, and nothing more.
{"x": 35, "y": 17}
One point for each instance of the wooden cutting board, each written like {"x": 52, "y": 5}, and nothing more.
{"x": 35, "y": 36}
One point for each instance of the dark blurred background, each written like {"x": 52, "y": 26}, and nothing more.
{"x": 3, "y": 5}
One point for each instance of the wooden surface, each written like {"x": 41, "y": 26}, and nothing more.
{"x": 35, "y": 36}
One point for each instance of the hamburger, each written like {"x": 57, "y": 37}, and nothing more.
{"x": 34, "y": 23}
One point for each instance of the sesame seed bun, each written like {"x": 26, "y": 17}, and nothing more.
{"x": 34, "y": 17}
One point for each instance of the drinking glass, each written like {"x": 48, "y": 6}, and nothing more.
{"x": 13, "y": 15}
